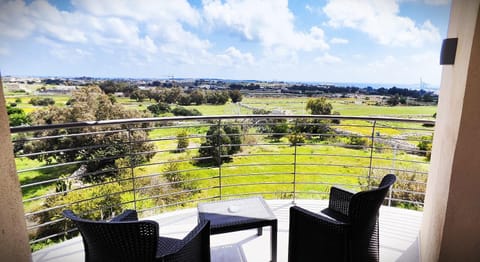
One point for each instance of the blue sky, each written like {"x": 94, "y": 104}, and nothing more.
{"x": 374, "y": 41}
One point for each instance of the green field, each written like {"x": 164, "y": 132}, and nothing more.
{"x": 295, "y": 104}
{"x": 262, "y": 165}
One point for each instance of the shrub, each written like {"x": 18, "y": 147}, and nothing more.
{"x": 261, "y": 111}
{"x": 357, "y": 141}
{"x": 179, "y": 180}
{"x": 182, "y": 111}
{"x": 278, "y": 129}
{"x": 36, "y": 101}
{"x": 296, "y": 138}
{"x": 314, "y": 128}
{"x": 425, "y": 145}
{"x": 336, "y": 121}
{"x": 17, "y": 116}
{"x": 96, "y": 203}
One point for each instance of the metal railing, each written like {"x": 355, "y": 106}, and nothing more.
{"x": 159, "y": 164}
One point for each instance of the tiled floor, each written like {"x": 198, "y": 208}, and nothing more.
{"x": 398, "y": 236}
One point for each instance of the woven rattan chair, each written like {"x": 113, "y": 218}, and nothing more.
{"x": 345, "y": 231}
{"x": 125, "y": 238}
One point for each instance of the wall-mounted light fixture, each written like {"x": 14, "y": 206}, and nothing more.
{"x": 449, "y": 49}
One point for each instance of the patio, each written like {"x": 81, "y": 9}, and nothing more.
{"x": 398, "y": 235}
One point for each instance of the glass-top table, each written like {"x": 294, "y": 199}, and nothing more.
{"x": 240, "y": 214}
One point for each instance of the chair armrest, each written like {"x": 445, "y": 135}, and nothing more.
{"x": 127, "y": 215}
{"x": 195, "y": 244}
{"x": 340, "y": 200}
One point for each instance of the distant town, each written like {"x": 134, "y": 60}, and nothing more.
{"x": 64, "y": 85}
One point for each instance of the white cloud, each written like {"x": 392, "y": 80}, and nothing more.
{"x": 234, "y": 57}
{"x": 270, "y": 22}
{"x": 328, "y": 59}
{"x": 14, "y": 20}
{"x": 336, "y": 40}
{"x": 145, "y": 27}
{"x": 61, "y": 25}
{"x": 380, "y": 20}
{"x": 141, "y": 10}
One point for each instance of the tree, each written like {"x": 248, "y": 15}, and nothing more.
{"x": 316, "y": 127}
{"x": 182, "y": 141}
{"x": 158, "y": 109}
{"x": 172, "y": 95}
{"x": 100, "y": 150}
{"x": 138, "y": 95}
{"x": 319, "y": 106}
{"x": 235, "y": 95}
{"x": 393, "y": 100}
{"x": 184, "y": 100}
{"x": 220, "y": 143}
{"x": 197, "y": 97}
{"x": 158, "y": 95}
{"x": 217, "y": 98}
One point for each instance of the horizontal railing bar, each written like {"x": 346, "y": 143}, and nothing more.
{"x": 187, "y": 118}
{"x": 402, "y": 170}
{"x": 51, "y": 236}
{"x": 45, "y": 224}
{"x": 258, "y": 174}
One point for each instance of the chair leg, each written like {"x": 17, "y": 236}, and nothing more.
{"x": 274, "y": 241}
{"x": 259, "y": 231}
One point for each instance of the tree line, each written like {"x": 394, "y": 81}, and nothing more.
{"x": 421, "y": 95}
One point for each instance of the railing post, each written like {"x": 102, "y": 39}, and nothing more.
{"x": 132, "y": 164}
{"x": 372, "y": 146}
{"x": 393, "y": 170}
{"x": 219, "y": 148}
{"x": 295, "y": 163}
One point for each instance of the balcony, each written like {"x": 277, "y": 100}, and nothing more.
{"x": 398, "y": 236}
{"x": 163, "y": 167}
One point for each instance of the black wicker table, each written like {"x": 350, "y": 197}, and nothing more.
{"x": 240, "y": 214}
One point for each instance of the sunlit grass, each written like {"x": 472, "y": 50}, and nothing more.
{"x": 256, "y": 167}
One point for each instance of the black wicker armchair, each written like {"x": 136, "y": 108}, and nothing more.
{"x": 125, "y": 238}
{"x": 345, "y": 231}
